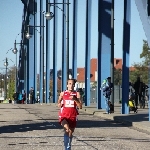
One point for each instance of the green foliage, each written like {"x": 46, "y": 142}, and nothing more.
{"x": 94, "y": 84}
{"x": 11, "y": 89}
{"x": 11, "y": 82}
{"x": 140, "y": 71}
{"x": 145, "y": 53}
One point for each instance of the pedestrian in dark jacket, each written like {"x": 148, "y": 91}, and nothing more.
{"x": 15, "y": 97}
{"x": 138, "y": 87}
{"x": 32, "y": 97}
{"x": 20, "y": 97}
{"x": 107, "y": 89}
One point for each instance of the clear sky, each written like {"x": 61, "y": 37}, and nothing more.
{"x": 10, "y": 26}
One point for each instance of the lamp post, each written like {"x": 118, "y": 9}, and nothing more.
{"x": 28, "y": 36}
{"x": 65, "y": 41}
{"x": 9, "y": 84}
{"x": 6, "y": 64}
{"x": 15, "y": 52}
{"x": 49, "y": 15}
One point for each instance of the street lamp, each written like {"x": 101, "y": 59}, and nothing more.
{"x": 6, "y": 64}
{"x": 28, "y": 35}
{"x": 49, "y": 15}
{"x": 15, "y": 51}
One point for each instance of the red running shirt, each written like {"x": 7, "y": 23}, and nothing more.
{"x": 69, "y": 105}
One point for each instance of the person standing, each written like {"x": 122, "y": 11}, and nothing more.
{"x": 107, "y": 89}
{"x": 138, "y": 87}
{"x": 15, "y": 97}
{"x": 24, "y": 97}
{"x": 32, "y": 100}
{"x": 69, "y": 101}
{"x": 20, "y": 97}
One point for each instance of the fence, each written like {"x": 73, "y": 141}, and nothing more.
{"x": 93, "y": 94}
{"x": 117, "y": 94}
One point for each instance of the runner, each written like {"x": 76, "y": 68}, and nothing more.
{"x": 69, "y": 101}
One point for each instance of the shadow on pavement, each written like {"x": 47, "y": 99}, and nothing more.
{"x": 99, "y": 123}
{"x": 19, "y": 137}
{"x": 29, "y": 127}
{"x": 134, "y": 117}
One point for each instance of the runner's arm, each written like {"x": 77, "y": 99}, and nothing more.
{"x": 60, "y": 99}
{"x": 78, "y": 100}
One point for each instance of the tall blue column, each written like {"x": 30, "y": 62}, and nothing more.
{"x": 87, "y": 52}
{"x": 24, "y": 51}
{"x": 26, "y": 64}
{"x": 47, "y": 56}
{"x": 31, "y": 54}
{"x": 74, "y": 42}
{"x": 126, "y": 50}
{"x": 55, "y": 54}
{"x": 104, "y": 47}
{"x": 41, "y": 53}
{"x": 64, "y": 61}
{"x": 21, "y": 68}
{"x": 35, "y": 49}
{"x": 25, "y": 71}
{"x": 68, "y": 52}
{"x": 112, "y": 50}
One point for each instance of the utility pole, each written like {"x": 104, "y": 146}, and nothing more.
{"x": 112, "y": 50}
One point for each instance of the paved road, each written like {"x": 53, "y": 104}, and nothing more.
{"x": 30, "y": 127}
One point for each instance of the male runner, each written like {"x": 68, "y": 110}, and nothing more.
{"x": 69, "y": 101}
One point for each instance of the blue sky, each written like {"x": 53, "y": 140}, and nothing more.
{"x": 10, "y": 27}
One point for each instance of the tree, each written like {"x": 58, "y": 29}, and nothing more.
{"x": 11, "y": 82}
{"x": 141, "y": 69}
{"x": 145, "y": 53}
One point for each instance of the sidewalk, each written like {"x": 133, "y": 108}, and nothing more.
{"x": 138, "y": 120}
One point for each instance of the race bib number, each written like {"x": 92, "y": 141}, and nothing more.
{"x": 69, "y": 103}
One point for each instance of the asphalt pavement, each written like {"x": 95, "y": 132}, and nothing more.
{"x": 35, "y": 126}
